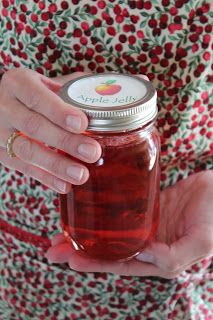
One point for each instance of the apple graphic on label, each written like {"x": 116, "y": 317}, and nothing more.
{"x": 108, "y": 88}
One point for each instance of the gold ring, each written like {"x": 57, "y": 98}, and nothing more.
{"x": 10, "y": 141}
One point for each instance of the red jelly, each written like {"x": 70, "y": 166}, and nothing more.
{"x": 115, "y": 214}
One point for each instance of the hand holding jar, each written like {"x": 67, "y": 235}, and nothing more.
{"x": 184, "y": 236}
{"x": 41, "y": 121}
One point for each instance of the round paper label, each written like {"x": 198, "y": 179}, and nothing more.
{"x": 107, "y": 90}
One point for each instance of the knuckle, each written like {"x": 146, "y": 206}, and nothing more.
{"x": 25, "y": 149}
{"x": 54, "y": 165}
{"x": 32, "y": 124}
{"x": 33, "y": 100}
{"x": 64, "y": 141}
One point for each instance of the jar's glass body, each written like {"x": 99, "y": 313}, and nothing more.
{"x": 115, "y": 214}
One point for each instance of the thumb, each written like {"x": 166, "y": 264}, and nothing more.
{"x": 157, "y": 254}
{"x": 176, "y": 257}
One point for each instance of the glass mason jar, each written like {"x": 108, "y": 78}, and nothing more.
{"x": 115, "y": 214}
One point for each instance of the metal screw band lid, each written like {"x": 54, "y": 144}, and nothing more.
{"x": 112, "y": 101}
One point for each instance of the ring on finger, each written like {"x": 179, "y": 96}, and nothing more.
{"x": 10, "y": 141}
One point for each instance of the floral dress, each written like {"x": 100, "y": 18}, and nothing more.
{"x": 170, "y": 42}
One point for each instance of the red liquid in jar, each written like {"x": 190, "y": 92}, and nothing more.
{"x": 115, "y": 214}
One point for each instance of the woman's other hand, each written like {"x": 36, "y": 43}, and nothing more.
{"x": 185, "y": 235}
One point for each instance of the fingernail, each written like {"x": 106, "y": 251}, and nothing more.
{"x": 75, "y": 172}
{"x": 87, "y": 150}
{"x": 146, "y": 256}
{"x": 73, "y": 122}
{"x": 60, "y": 185}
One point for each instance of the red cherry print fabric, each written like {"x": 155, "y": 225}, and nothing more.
{"x": 171, "y": 42}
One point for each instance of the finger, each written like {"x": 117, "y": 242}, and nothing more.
{"x": 58, "y": 239}
{"x": 45, "y": 178}
{"x": 129, "y": 268}
{"x": 39, "y": 128}
{"x": 177, "y": 257}
{"x": 193, "y": 247}
{"x": 160, "y": 255}
{"x": 50, "y": 161}
{"x": 65, "y": 252}
{"x": 32, "y": 89}
{"x": 59, "y": 253}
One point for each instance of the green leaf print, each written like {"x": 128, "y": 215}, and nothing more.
{"x": 110, "y": 81}
{"x": 103, "y": 33}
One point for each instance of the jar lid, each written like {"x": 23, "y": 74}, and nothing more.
{"x": 112, "y": 101}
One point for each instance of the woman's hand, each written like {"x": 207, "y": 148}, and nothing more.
{"x": 30, "y": 104}
{"x": 185, "y": 235}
